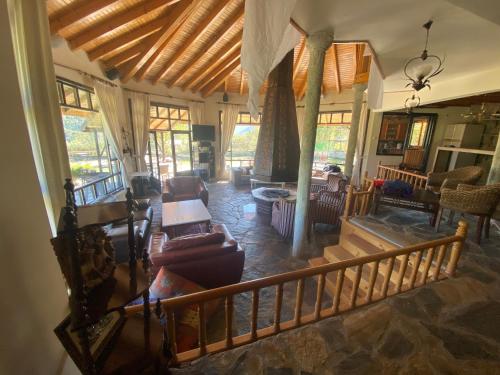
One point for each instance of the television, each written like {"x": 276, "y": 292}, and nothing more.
{"x": 203, "y": 133}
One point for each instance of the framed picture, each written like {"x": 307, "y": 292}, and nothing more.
{"x": 101, "y": 335}
{"x": 392, "y": 135}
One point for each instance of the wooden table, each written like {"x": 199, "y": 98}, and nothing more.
{"x": 420, "y": 200}
{"x": 176, "y": 214}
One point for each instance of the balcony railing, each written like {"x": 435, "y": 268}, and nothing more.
{"x": 98, "y": 189}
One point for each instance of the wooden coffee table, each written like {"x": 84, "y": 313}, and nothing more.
{"x": 177, "y": 214}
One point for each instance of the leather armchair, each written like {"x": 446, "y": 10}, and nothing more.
{"x": 210, "y": 265}
{"x": 184, "y": 188}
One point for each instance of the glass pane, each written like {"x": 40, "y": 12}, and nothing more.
{"x": 182, "y": 152}
{"x": 158, "y": 124}
{"x": 184, "y": 114}
{"x": 336, "y": 118}
{"x": 70, "y": 95}
{"x": 245, "y": 118}
{"x": 179, "y": 125}
{"x": 153, "y": 111}
{"x": 84, "y": 99}
{"x": 347, "y": 117}
{"x": 60, "y": 93}
{"x": 162, "y": 112}
{"x": 174, "y": 113}
{"x": 95, "y": 104}
{"x": 243, "y": 145}
{"x": 165, "y": 154}
{"x": 331, "y": 145}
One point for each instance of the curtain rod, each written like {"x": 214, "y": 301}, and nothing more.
{"x": 123, "y": 88}
{"x": 260, "y": 106}
{"x": 331, "y": 103}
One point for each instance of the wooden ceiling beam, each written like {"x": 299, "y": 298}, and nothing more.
{"x": 123, "y": 40}
{"x": 337, "y": 70}
{"x": 218, "y": 35}
{"x": 217, "y": 80}
{"x": 193, "y": 38}
{"x": 242, "y": 80}
{"x": 75, "y": 12}
{"x": 129, "y": 53}
{"x": 216, "y": 69}
{"x": 296, "y": 68}
{"x": 302, "y": 90}
{"x": 116, "y": 20}
{"x": 214, "y": 62}
{"x": 181, "y": 12}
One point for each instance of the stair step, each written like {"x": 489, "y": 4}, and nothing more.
{"x": 358, "y": 246}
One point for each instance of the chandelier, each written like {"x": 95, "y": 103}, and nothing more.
{"x": 483, "y": 112}
{"x": 419, "y": 70}
{"x": 412, "y": 102}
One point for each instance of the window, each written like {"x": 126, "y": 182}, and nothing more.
{"x": 94, "y": 170}
{"x": 169, "y": 148}
{"x": 331, "y": 138}
{"x": 241, "y": 152}
{"x": 418, "y": 132}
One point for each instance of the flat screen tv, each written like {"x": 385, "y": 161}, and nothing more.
{"x": 203, "y": 133}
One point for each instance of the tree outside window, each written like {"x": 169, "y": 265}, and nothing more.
{"x": 241, "y": 151}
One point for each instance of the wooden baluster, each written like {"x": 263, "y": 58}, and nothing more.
{"x": 277, "y": 308}
{"x": 427, "y": 265}
{"x": 229, "y": 322}
{"x": 338, "y": 290}
{"x": 298, "y": 302}
{"x": 202, "y": 329}
{"x": 402, "y": 270}
{"x": 387, "y": 277}
{"x": 355, "y": 287}
{"x": 456, "y": 248}
{"x": 373, "y": 278}
{"x": 439, "y": 262}
{"x": 172, "y": 343}
{"x": 255, "y": 311}
{"x": 319, "y": 296}
{"x": 416, "y": 267}
{"x": 348, "y": 202}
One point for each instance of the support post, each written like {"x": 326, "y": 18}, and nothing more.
{"x": 357, "y": 105}
{"x": 317, "y": 45}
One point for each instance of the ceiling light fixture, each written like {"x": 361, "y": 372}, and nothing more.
{"x": 411, "y": 103}
{"x": 420, "y": 69}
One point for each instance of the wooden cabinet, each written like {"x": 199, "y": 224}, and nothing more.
{"x": 463, "y": 135}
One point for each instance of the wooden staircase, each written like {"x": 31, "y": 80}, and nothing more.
{"x": 371, "y": 282}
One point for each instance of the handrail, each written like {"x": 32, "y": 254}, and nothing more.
{"x": 394, "y": 173}
{"x": 80, "y": 190}
{"x": 417, "y": 259}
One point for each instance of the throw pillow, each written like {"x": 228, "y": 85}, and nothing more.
{"x": 194, "y": 240}
{"x": 397, "y": 188}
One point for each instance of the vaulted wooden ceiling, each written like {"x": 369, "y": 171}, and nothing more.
{"x": 191, "y": 44}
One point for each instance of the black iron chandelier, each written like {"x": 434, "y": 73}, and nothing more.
{"x": 419, "y": 70}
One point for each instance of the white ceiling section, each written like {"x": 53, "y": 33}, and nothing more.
{"x": 465, "y": 32}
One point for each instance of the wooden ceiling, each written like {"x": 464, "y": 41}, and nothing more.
{"x": 191, "y": 44}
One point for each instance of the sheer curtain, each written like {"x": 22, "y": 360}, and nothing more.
{"x": 140, "y": 123}
{"x": 229, "y": 117}
{"x": 300, "y": 122}
{"x": 197, "y": 113}
{"x": 108, "y": 97}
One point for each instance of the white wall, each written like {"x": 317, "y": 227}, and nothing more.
{"x": 32, "y": 289}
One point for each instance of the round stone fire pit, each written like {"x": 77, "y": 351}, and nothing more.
{"x": 265, "y": 197}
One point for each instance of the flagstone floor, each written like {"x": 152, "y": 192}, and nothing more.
{"x": 449, "y": 327}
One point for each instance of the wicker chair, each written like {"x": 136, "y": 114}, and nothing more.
{"x": 334, "y": 182}
{"x": 466, "y": 175}
{"x": 480, "y": 201}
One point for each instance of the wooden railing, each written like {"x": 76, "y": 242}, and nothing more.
{"x": 358, "y": 202}
{"x": 388, "y": 172}
{"x": 390, "y": 273}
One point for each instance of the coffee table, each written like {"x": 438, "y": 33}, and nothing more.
{"x": 420, "y": 200}
{"x": 177, "y": 214}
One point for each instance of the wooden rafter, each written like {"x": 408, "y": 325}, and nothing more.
{"x": 337, "y": 71}
{"x": 182, "y": 11}
{"x": 75, "y": 12}
{"x": 215, "y": 39}
{"x": 217, "y": 68}
{"x": 296, "y": 68}
{"x": 215, "y": 61}
{"x": 218, "y": 79}
{"x": 302, "y": 90}
{"x": 116, "y": 20}
{"x": 129, "y": 53}
{"x": 123, "y": 40}
{"x": 242, "y": 80}
{"x": 195, "y": 35}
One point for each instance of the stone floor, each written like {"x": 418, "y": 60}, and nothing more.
{"x": 449, "y": 327}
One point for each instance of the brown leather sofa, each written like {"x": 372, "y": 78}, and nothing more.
{"x": 182, "y": 188}
{"x": 211, "y": 264}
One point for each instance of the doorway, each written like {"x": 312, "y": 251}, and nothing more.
{"x": 181, "y": 151}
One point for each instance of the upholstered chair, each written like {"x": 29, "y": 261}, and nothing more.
{"x": 334, "y": 182}
{"x": 330, "y": 206}
{"x": 184, "y": 188}
{"x": 466, "y": 175}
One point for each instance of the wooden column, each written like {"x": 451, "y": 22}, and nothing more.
{"x": 317, "y": 44}
{"x": 357, "y": 105}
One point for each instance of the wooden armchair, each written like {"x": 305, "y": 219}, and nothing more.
{"x": 480, "y": 201}
{"x": 466, "y": 175}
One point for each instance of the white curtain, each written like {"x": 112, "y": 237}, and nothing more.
{"x": 108, "y": 98}
{"x": 37, "y": 82}
{"x": 197, "y": 113}
{"x": 267, "y": 38}
{"x": 140, "y": 123}
{"x": 229, "y": 117}
{"x": 300, "y": 122}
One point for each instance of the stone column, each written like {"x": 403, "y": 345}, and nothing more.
{"x": 494, "y": 176}
{"x": 317, "y": 44}
{"x": 357, "y": 105}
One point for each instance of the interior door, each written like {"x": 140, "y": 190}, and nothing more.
{"x": 181, "y": 150}
{"x": 418, "y": 140}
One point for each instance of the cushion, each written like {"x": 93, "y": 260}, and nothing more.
{"x": 185, "y": 196}
{"x": 193, "y": 240}
{"x": 397, "y": 188}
